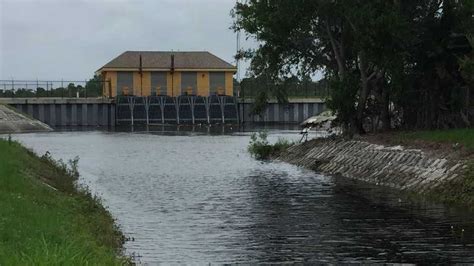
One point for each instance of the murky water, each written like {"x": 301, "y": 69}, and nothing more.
{"x": 199, "y": 197}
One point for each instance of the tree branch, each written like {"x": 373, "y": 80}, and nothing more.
{"x": 336, "y": 50}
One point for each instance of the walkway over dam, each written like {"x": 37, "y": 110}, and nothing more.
{"x": 133, "y": 110}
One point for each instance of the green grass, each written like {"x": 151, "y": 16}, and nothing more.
{"x": 464, "y": 137}
{"x": 45, "y": 220}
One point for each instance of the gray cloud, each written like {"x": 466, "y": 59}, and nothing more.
{"x": 70, "y": 39}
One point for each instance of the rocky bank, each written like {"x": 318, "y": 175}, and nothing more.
{"x": 393, "y": 166}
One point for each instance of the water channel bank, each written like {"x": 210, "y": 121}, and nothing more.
{"x": 442, "y": 175}
{"x": 198, "y": 197}
{"x": 45, "y": 219}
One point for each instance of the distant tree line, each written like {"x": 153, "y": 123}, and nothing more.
{"x": 93, "y": 88}
{"x": 399, "y": 63}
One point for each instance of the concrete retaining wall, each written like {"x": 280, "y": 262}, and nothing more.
{"x": 71, "y": 114}
{"x": 295, "y": 111}
{"x": 404, "y": 169}
{"x": 109, "y": 112}
{"x": 14, "y": 122}
{"x": 66, "y": 111}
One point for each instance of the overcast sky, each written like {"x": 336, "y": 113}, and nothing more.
{"x": 70, "y": 39}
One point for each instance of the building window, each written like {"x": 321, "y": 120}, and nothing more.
{"x": 188, "y": 83}
{"x": 159, "y": 84}
{"x": 125, "y": 83}
{"x": 217, "y": 83}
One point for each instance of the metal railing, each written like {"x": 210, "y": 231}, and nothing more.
{"x": 51, "y": 88}
{"x": 95, "y": 88}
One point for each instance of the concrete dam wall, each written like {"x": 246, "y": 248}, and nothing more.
{"x": 15, "y": 122}
{"x": 404, "y": 169}
{"x": 295, "y": 111}
{"x": 67, "y": 111}
{"x": 161, "y": 110}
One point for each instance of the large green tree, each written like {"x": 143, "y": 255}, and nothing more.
{"x": 371, "y": 51}
{"x": 94, "y": 86}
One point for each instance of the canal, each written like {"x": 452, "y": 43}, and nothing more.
{"x": 197, "y": 196}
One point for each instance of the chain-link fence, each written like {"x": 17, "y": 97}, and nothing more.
{"x": 51, "y": 88}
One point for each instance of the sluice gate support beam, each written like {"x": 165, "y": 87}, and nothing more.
{"x": 207, "y": 106}
{"x": 162, "y": 109}
{"x": 131, "y": 105}
{"x": 147, "y": 109}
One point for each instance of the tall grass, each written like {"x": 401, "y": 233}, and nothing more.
{"x": 45, "y": 219}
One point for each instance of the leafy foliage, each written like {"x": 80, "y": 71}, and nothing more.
{"x": 342, "y": 99}
{"x": 466, "y": 65}
{"x": 389, "y": 63}
{"x": 261, "y": 149}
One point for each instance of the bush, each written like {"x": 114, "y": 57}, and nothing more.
{"x": 261, "y": 149}
{"x": 66, "y": 174}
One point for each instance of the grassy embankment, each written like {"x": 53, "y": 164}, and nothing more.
{"x": 459, "y": 142}
{"x": 45, "y": 219}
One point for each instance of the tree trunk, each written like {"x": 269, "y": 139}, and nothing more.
{"x": 385, "y": 102}
{"x": 338, "y": 51}
{"x": 363, "y": 93}
{"x": 385, "y": 112}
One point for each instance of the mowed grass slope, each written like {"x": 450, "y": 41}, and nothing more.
{"x": 45, "y": 220}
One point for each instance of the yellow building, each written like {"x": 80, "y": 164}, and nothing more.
{"x": 145, "y": 73}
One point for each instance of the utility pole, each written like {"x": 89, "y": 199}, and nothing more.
{"x": 172, "y": 75}
{"x": 140, "y": 70}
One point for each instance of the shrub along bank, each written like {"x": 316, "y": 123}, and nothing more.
{"x": 261, "y": 149}
{"x": 45, "y": 219}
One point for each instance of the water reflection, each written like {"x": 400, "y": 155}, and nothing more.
{"x": 197, "y": 196}
{"x": 197, "y": 128}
